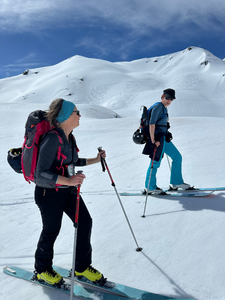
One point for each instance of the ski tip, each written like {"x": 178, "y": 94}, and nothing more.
{"x": 9, "y": 270}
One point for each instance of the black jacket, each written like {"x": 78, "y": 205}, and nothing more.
{"x": 50, "y": 165}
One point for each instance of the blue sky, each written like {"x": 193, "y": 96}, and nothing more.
{"x": 38, "y": 33}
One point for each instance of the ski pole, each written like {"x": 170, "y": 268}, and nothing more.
{"x": 149, "y": 181}
{"x": 103, "y": 161}
{"x": 168, "y": 162}
{"x": 75, "y": 237}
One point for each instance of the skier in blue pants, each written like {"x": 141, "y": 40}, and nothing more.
{"x": 160, "y": 138}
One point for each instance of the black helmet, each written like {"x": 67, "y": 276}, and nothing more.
{"x": 139, "y": 137}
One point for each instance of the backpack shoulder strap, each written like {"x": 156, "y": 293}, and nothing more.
{"x": 54, "y": 130}
{"x": 150, "y": 110}
{"x": 60, "y": 155}
{"x": 164, "y": 111}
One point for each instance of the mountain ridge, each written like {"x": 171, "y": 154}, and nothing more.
{"x": 195, "y": 74}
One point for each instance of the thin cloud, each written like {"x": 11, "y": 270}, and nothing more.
{"x": 29, "y": 57}
{"x": 98, "y": 49}
{"x": 21, "y": 64}
{"x": 138, "y": 15}
{"x": 112, "y": 29}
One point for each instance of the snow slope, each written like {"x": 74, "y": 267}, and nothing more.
{"x": 196, "y": 75}
{"x": 182, "y": 238}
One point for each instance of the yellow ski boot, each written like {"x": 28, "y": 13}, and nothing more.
{"x": 91, "y": 274}
{"x": 50, "y": 276}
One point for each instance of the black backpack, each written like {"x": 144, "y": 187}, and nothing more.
{"x": 141, "y": 135}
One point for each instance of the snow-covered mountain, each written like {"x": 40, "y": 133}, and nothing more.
{"x": 182, "y": 238}
{"x": 197, "y": 76}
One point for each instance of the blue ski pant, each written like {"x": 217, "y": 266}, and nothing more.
{"x": 176, "y": 167}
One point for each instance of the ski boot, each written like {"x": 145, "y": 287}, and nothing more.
{"x": 93, "y": 275}
{"x": 156, "y": 191}
{"x": 50, "y": 276}
{"x": 183, "y": 186}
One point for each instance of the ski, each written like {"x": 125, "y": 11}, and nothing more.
{"x": 118, "y": 290}
{"x": 109, "y": 287}
{"x": 215, "y": 189}
{"x": 170, "y": 190}
{"x": 197, "y": 189}
{"x": 80, "y": 292}
{"x": 191, "y": 193}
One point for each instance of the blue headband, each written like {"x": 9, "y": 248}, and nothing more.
{"x": 66, "y": 111}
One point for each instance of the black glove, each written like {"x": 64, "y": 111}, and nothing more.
{"x": 169, "y": 137}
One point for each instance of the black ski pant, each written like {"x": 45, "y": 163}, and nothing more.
{"x": 52, "y": 205}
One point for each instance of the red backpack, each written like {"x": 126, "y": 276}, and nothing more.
{"x": 24, "y": 160}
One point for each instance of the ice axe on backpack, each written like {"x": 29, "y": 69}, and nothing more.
{"x": 105, "y": 167}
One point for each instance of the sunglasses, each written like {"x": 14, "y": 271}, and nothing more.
{"x": 77, "y": 112}
{"x": 168, "y": 98}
